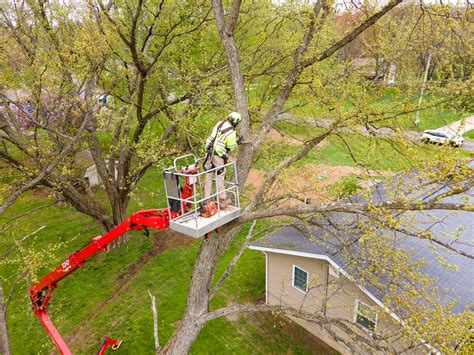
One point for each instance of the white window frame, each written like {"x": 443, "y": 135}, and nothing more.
{"x": 293, "y": 279}
{"x": 356, "y": 313}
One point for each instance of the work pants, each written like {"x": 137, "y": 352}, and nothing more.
{"x": 216, "y": 161}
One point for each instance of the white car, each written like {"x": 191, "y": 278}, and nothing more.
{"x": 441, "y": 138}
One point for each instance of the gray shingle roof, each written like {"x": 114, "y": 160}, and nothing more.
{"x": 453, "y": 227}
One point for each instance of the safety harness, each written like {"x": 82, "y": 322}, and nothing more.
{"x": 210, "y": 147}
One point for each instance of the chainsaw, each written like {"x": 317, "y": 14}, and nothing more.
{"x": 209, "y": 209}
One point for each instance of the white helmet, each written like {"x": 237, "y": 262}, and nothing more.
{"x": 234, "y": 118}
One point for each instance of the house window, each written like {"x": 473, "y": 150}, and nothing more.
{"x": 365, "y": 315}
{"x": 300, "y": 279}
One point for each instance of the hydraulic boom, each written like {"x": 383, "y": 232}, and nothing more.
{"x": 41, "y": 291}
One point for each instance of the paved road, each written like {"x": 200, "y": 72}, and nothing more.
{"x": 468, "y": 145}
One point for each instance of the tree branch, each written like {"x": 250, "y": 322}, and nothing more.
{"x": 352, "y": 35}
{"x": 39, "y": 178}
{"x": 355, "y": 208}
{"x": 301, "y": 153}
{"x": 231, "y": 265}
{"x": 233, "y": 16}
{"x": 32, "y": 210}
{"x": 9, "y": 251}
{"x": 317, "y": 318}
{"x": 294, "y": 73}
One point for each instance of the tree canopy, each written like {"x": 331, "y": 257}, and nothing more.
{"x": 136, "y": 83}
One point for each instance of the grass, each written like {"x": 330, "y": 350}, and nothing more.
{"x": 433, "y": 119}
{"x": 389, "y": 102}
{"x": 359, "y": 150}
{"x": 355, "y": 150}
{"x": 469, "y": 134}
{"x": 167, "y": 275}
{"x": 127, "y": 315}
{"x": 271, "y": 337}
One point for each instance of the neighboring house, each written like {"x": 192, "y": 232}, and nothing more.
{"x": 308, "y": 274}
{"x": 84, "y": 161}
{"x": 92, "y": 176}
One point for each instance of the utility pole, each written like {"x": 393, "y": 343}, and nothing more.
{"x": 423, "y": 85}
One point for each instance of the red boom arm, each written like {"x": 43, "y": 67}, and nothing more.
{"x": 41, "y": 291}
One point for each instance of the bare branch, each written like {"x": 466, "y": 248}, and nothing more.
{"x": 233, "y": 16}
{"x": 33, "y": 210}
{"x": 17, "y": 244}
{"x": 18, "y": 192}
{"x": 301, "y": 153}
{"x": 427, "y": 235}
{"x": 231, "y": 265}
{"x": 155, "y": 320}
{"x": 356, "y": 208}
{"x": 317, "y": 318}
{"x": 4, "y": 338}
{"x": 352, "y": 35}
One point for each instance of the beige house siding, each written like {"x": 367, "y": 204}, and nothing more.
{"x": 340, "y": 294}
{"x": 280, "y": 282}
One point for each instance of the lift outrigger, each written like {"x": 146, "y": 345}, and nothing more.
{"x": 182, "y": 215}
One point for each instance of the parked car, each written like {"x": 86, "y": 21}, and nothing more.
{"x": 438, "y": 137}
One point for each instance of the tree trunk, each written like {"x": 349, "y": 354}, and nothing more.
{"x": 183, "y": 337}
{"x": 119, "y": 213}
{"x": 197, "y": 303}
{"x": 233, "y": 64}
{"x": 4, "y": 339}
{"x": 245, "y": 150}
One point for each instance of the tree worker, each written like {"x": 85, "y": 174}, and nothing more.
{"x": 222, "y": 140}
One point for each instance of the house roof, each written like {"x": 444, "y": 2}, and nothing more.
{"x": 452, "y": 227}
{"x": 84, "y": 159}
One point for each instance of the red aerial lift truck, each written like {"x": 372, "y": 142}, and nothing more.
{"x": 182, "y": 214}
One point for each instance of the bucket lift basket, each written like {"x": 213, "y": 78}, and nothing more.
{"x": 189, "y": 221}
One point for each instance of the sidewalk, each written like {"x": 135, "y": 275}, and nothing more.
{"x": 459, "y": 127}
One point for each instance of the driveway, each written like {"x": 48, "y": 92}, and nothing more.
{"x": 468, "y": 145}
{"x": 459, "y": 127}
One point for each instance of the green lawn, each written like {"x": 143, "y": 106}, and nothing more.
{"x": 469, "y": 134}
{"x": 127, "y": 315}
{"x": 355, "y": 150}
{"x": 387, "y": 104}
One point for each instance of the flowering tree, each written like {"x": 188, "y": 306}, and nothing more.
{"x": 61, "y": 78}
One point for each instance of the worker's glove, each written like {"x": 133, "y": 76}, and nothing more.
{"x": 240, "y": 140}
